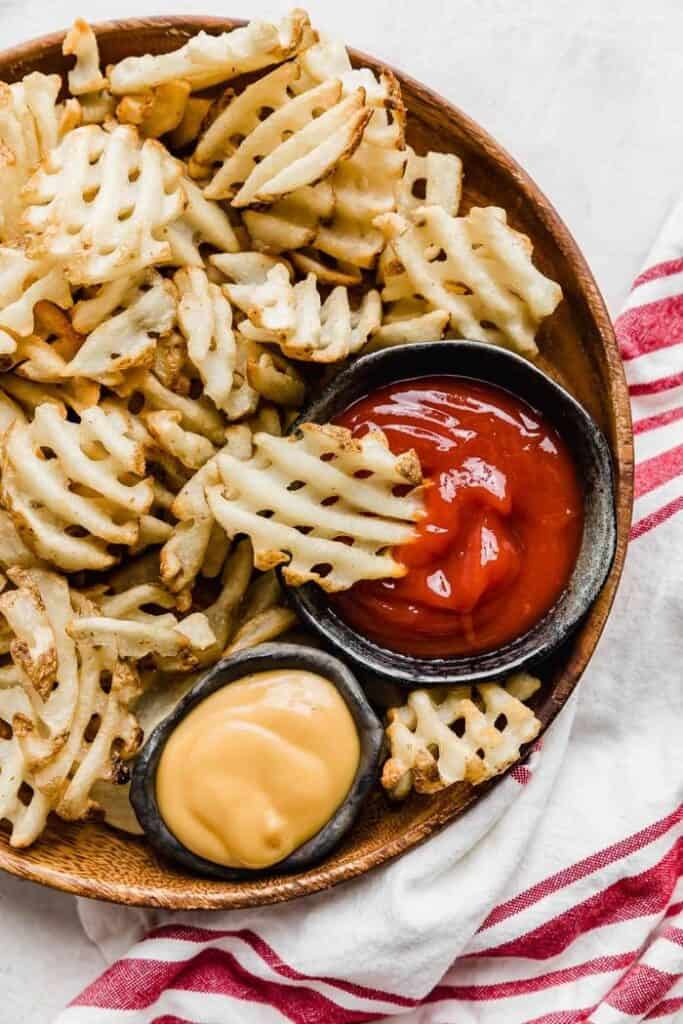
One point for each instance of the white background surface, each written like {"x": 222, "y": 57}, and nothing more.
{"x": 584, "y": 93}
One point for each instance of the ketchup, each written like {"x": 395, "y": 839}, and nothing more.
{"x": 503, "y": 522}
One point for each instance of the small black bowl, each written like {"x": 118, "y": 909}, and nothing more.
{"x": 591, "y": 454}
{"x": 260, "y": 659}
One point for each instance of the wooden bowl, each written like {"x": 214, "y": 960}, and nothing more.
{"x": 578, "y": 348}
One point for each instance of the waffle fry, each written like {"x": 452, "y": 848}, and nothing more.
{"x": 274, "y": 377}
{"x": 128, "y": 339}
{"x": 85, "y": 76}
{"x": 192, "y": 450}
{"x": 29, "y": 128}
{"x": 41, "y": 493}
{"x": 23, "y": 283}
{"x": 202, "y": 223}
{"x": 293, "y": 317}
{"x": 205, "y": 318}
{"x": 404, "y": 324}
{"x": 292, "y": 148}
{"x": 427, "y": 755}
{"x": 196, "y": 414}
{"x": 196, "y": 110}
{"x": 251, "y": 489}
{"x": 82, "y": 730}
{"x": 156, "y": 112}
{"x": 207, "y": 60}
{"x": 431, "y": 180}
{"x": 100, "y": 200}
{"x": 240, "y": 116}
{"x": 142, "y": 633}
{"x": 487, "y": 282}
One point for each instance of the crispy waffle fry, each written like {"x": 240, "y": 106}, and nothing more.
{"x": 82, "y": 730}
{"x": 25, "y": 282}
{"x": 291, "y": 222}
{"x": 80, "y": 486}
{"x": 156, "y": 112}
{"x": 427, "y": 754}
{"x": 196, "y": 110}
{"x": 206, "y": 60}
{"x": 304, "y": 527}
{"x": 29, "y": 128}
{"x": 202, "y": 223}
{"x": 404, "y": 325}
{"x": 196, "y": 414}
{"x": 101, "y": 200}
{"x": 128, "y": 339}
{"x": 292, "y": 147}
{"x": 240, "y": 116}
{"x": 293, "y": 317}
{"x": 136, "y": 632}
{"x": 192, "y": 450}
{"x": 205, "y": 319}
{"x": 485, "y": 280}
{"x": 431, "y": 180}
{"x": 27, "y": 818}
{"x": 327, "y": 269}
{"x": 85, "y": 76}
{"x": 274, "y": 377}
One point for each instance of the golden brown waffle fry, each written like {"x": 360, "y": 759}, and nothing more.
{"x": 80, "y": 730}
{"x": 202, "y": 223}
{"x": 156, "y": 112}
{"x": 100, "y": 201}
{"x": 404, "y": 324}
{"x": 85, "y": 76}
{"x": 292, "y": 147}
{"x": 431, "y": 180}
{"x": 427, "y": 753}
{"x": 303, "y": 527}
{"x": 486, "y": 280}
{"x": 192, "y": 450}
{"x": 206, "y": 60}
{"x": 274, "y": 377}
{"x": 293, "y": 317}
{"x": 128, "y": 339}
{"x": 79, "y": 484}
{"x": 196, "y": 414}
{"x": 25, "y": 282}
{"x": 196, "y": 109}
{"x": 205, "y": 319}
{"x": 29, "y": 128}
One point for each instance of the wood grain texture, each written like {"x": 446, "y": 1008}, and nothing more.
{"x": 578, "y": 347}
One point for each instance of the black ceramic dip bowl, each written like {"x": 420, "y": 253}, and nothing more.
{"x": 591, "y": 456}
{"x": 261, "y": 659}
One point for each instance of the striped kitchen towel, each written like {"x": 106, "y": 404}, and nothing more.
{"x": 558, "y": 898}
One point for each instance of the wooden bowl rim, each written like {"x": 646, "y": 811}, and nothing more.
{"x": 280, "y": 889}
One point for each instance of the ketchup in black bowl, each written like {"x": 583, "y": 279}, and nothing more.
{"x": 503, "y": 519}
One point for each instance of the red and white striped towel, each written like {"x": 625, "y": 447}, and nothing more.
{"x": 559, "y": 897}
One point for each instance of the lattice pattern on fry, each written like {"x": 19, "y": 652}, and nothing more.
{"x": 206, "y": 60}
{"x": 292, "y": 147}
{"x": 145, "y": 391}
{"x": 476, "y": 268}
{"x": 128, "y": 339}
{"x": 21, "y": 804}
{"x": 23, "y": 283}
{"x": 290, "y": 504}
{"x": 101, "y": 200}
{"x": 293, "y": 316}
{"x": 274, "y": 377}
{"x": 184, "y": 555}
{"x": 29, "y": 128}
{"x": 431, "y": 180}
{"x": 441, "y": 736}
{"x": 205, "y": 319}
{"x": 125, "y": 620}
{"x": 80, "y": 730}
{"x": 66, "y": 486}
{"x": 240, "y": 115}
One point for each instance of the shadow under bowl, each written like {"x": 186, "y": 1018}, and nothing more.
{"x": 591, "y": 455}
{"x": 264, "y": 658}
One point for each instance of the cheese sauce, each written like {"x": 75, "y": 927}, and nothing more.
{"x": 258, "y": 768}
{"x": 502, "y": 526}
